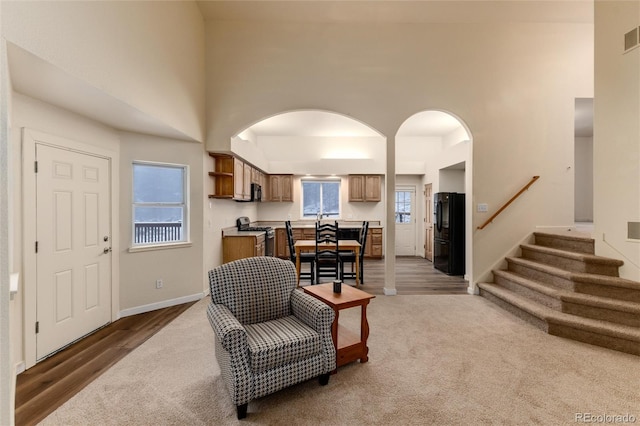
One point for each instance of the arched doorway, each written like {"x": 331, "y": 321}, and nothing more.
{"x": 433, "y": 156}
{"x": 314, "y": 149}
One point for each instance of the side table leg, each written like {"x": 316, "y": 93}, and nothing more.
{"x": 364, "y": 332}
{"x": 334, "y": 336}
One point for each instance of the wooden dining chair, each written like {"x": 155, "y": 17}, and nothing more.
{"x": 350, "y": 256}
{"x": 309, "y": 258}
{"x": 327, "y": 258}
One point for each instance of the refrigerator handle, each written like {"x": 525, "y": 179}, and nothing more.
{"x": 439, "y": 216}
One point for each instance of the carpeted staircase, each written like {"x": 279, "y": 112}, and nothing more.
{"x": 560, "y": 286}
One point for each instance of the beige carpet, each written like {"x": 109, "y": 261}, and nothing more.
{"x": 432, "y": 360}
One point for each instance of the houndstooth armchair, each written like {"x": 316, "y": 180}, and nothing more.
{"x": 268, "y": 334}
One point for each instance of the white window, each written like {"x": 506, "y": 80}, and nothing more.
{"x": 160, "y": 204}
{"x": 321, "y": 197}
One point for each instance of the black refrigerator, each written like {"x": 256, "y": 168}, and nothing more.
{"x": 448, "y": 250}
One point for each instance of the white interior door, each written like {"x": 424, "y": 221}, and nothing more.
{"x": 405, "y": 221}
{"x": 73, "y": 246}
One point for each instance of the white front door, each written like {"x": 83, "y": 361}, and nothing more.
{"x": 73, "y": 246}
{"x": 405, "y": 221}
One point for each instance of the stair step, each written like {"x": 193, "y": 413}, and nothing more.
{"x": 585, "y": 305}
{"x": 544, "y": 294}
{"x": 566, "y": 242}
{"x": 597, "y": 285}
{"x": 571, "y": 261}
{"x": 593, "y": 331}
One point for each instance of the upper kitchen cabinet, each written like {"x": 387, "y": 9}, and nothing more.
{"x": 222, "y": 176}
{"x": 258, "y": 177}
{"x": 231, "y": 177}
{"x": 242, "y": 186}
{"x": 365, "y": 188}
{"x": 281, "y": 188}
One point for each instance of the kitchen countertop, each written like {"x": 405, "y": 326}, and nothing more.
{"x": 312, "y": 224}
{"x": 233, "y": 231}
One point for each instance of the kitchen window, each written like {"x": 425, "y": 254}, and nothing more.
{"x": 320, "y": 197}
{"x": 160, "y": 204}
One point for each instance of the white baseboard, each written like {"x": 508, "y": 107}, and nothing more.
{"x": 159, "y": 305}
{"x": 390, "y": 291}
{"x": 20, "y": 367}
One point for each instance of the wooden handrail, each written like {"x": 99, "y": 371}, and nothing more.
{"x": 535, "y": 178}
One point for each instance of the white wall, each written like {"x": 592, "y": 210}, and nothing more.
{"x": 7, "y": 359}
{"x": 147, "y": 54}
{"x": 451, "y": 180}
{"x": 181, "y": 269}
{"x": 219, "y": 214}
{"x": 34, "y": 114}
{"x": 514, "y": 86}
{"x": 319, "y": 155}
{"x": 616, "y": 140}
{"x": 413, "y": 153}
{"x": 583, "y": 170}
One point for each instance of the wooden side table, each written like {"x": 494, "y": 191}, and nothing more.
{"x": 349, "y": 345}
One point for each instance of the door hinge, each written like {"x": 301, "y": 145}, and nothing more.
{"x": 37, "y": 327}
{"x": 35, "y": 166}
{"x": 36, "y": 246}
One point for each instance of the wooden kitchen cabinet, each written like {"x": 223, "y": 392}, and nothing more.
{"x": 258, "y": 177}
{"x": 373, "y": 247}
{"x": 241, "y": 180}
{"x": 234, "y": 248}
{"x": 231, "y": 177}
{"x": 365, "y": 188}
{"x": 281, "y": 188}
{"x": 282, "y": 245}
{"x": 308, "y": 233}
{"x": 222, "y": 176}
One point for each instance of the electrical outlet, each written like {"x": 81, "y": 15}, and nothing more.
{"x": 158, "y": 283}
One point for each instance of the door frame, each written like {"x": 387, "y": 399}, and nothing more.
{"x": 30, "y": 138}
{"x": 428, "y": 208}
{"x": 414, "y": 212}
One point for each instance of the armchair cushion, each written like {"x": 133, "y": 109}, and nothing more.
{"x": 280, "y": 342}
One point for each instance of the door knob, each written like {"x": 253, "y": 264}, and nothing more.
{"x": 106, "y": 250}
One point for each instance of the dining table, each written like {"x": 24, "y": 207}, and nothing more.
{"x": 310, "y": 245}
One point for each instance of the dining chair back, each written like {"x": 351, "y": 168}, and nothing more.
{"x": 350, "y": 256}
{"x": 305, "y": 258}
{"x": 327, "y": 255}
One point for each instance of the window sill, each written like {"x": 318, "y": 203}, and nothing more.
{"x": 151, "y": 247}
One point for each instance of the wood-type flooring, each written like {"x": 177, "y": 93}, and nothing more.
{"x": 50, "y": 383}
{"x": 414, "y": 275}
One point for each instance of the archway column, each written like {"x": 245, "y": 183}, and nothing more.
{"x": 390, "y": 225}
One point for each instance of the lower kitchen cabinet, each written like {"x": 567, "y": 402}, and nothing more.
{"x": 373, "y": 247}
{"x": 234, "y": 248}
{"x": 282, "y": 245}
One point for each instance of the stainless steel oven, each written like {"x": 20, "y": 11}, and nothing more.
{"x": 244, "y": 224}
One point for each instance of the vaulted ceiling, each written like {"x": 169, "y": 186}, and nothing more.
{"x": 400, "y": 11}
